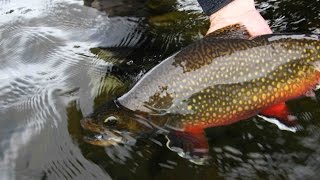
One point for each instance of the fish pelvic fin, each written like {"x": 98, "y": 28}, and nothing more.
{"x": 235, "y": 31}
{"x": 189, "y": 145}
{"x": 281, "y": 112}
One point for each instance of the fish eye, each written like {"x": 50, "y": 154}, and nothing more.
{"x": 111, "y": 121}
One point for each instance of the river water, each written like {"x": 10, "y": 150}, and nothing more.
{"x": 59, "y": 62}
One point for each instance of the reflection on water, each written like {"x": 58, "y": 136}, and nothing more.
{"x": 45, "y": 65}
{"x": 60, "y": 60}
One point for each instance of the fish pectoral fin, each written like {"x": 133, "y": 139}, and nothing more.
{"x": 189, "y": 145}
{"x": 281, "y": 112}
{"x": 235, "y": 31}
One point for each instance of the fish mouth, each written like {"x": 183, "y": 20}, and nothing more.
{"x": 102, "y": 136}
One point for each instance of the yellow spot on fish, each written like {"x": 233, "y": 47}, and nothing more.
{"x": 264, "y": 96}
{"x": 189, "y": 107}
{"x": 286, "y": 87}
{"x": 272, "y": 98}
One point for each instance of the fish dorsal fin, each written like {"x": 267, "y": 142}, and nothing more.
{"x": 235, "y": 31}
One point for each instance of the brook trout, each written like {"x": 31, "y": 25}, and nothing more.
{"x": 218, "y": 80}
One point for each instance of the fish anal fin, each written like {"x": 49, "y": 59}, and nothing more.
{"x": 235, "y": 31}
{"x": 281, "y": 112}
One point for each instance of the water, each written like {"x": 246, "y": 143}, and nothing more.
{"x": 59, "y": 61}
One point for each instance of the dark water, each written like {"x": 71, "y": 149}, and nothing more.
{"x": 62, "y": 59}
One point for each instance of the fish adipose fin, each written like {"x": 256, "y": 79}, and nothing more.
{"x": 279, "y": 112}
{"x": 235, "y": 31}
{"x": 189, "y": 145}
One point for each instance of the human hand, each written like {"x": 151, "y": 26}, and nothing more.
{"x": 241, "y": 12}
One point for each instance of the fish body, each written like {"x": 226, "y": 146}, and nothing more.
{"x": 218, "y": 81}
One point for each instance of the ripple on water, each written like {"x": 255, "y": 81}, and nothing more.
{"x": 43, "y": 66}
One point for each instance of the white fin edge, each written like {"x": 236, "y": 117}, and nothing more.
{"x": 181, "y": 153}
{"x": 278, "y": 123}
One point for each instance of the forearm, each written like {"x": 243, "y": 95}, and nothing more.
{"x": 233, "y": 10}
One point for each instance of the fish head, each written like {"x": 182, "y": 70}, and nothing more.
{"x": 112, "y": 125}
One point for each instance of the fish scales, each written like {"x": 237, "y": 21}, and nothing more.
{"x": 219, "y": 81}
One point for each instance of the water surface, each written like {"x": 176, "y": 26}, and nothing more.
{"x": 60, "y": 60}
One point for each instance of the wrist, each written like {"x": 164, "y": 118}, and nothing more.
{"x": 233, "y": 10}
